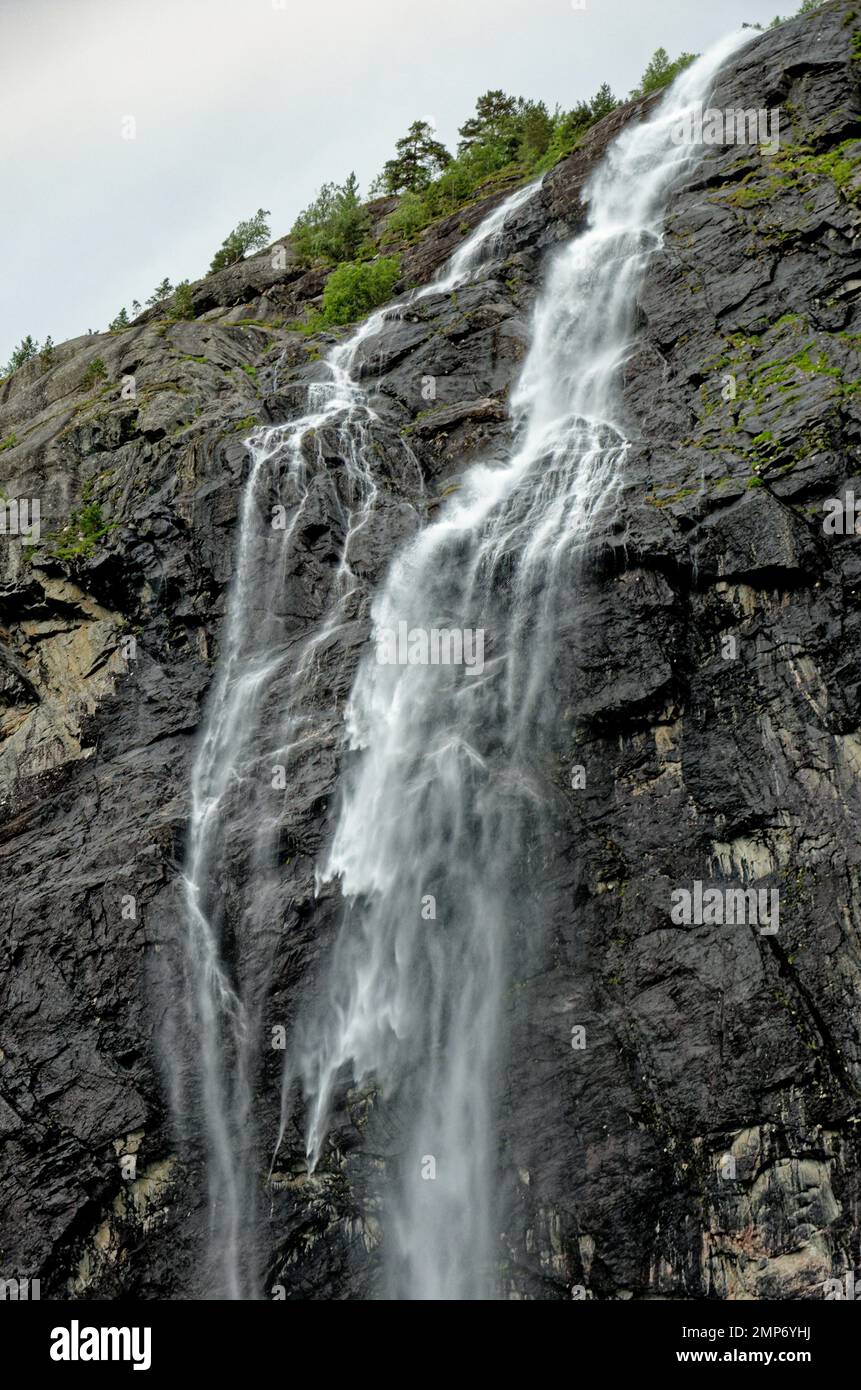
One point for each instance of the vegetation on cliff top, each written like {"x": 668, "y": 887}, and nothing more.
{"x": 507, "y": 138}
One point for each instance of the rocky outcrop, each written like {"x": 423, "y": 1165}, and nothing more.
{"x": 705, "y": 1142}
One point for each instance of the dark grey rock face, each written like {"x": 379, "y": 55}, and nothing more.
{"x": 705, "y": 1142}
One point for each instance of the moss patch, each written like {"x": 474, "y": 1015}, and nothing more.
{"x": 85, "y": 528}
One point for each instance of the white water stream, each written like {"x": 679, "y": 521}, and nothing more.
{"x": 445, "y": 784}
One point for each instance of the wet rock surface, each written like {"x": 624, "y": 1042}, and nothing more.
{"x": 705, "y": 1142}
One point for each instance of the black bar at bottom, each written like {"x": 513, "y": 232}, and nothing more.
{"x": 162, "y": 1339}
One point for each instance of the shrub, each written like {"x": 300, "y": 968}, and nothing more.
{"x": 334, "y": 227}
{"x": 354, "y": 289}
{"x": 409, "y": 217}
{"x": 182, "y": 307}
{"x": 120, "y": 322}
{"x": 806, "y": 7}
{"x": 246, "y": 236}
{"x": 569, "y": 127}
{"x": 464, "y": 176}
{"x": 85, "y": 527}
{"x": 459, "y": 181}
{"x": 96, "y": 372}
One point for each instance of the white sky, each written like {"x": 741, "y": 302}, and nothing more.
{"x": 242, "y": 103}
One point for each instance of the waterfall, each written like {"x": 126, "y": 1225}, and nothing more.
{"x": 255, "y": 722}
{"x": 447, "y": 784}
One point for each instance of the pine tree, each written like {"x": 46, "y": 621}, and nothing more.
{"x": 24, "y": 352}
{"x": 419, "y": 159}
{"x": 494, "y": 114}
{"x": 603, "y": 102}
{"x": 661, "y": 71}
{"x": 536, "y": 129}
{"x": 656, "y": 74}
{"x": 162, "y": 291}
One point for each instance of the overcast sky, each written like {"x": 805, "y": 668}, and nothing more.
{"x": 240, "y": 104}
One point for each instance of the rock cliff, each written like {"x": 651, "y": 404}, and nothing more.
{"x": 709, "y": 1146}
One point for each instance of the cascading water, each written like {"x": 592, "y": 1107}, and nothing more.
{"x": 448, "y": 784}
{"x": 254, "y": 723}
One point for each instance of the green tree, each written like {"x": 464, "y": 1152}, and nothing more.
{"x": 334, "y": 227}
{"x": 494, "y": 120}
{"x": 602, "y": 103}
{"x": 24, "y": 352}
{"x": 536, "y": 131}
{"x": 182, "y": 306}
{"x": 570, "y": 126}
{"x": 419, "y": 159}
{"x": 246, "y": 236}
{"x": 120, "y": 322}
{"x": 506, "y": 128}
{"x": 162, "y": 291}
{"x": 661, "y": 71}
